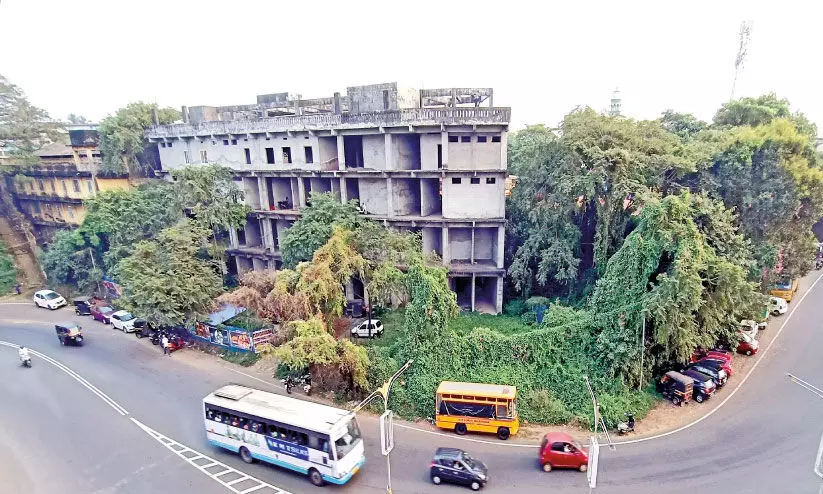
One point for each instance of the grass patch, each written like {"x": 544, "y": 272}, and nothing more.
{"x": 393, "y": 322}
{"x": 247, "y": 320}
{"x": 246, "y": 359}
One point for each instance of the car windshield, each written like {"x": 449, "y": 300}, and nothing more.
{"x": 126, "y": 317}
{"x": 468, "y": 460}
{"x": 51, "y": 296}
{"x": 348, "y": 440}
{"x": 106, "y": 309}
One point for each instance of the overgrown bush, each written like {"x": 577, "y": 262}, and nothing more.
{"x": 515, "y": 307}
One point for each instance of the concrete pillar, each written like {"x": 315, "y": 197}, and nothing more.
{"x": 341, "y": 153}
{"x": 349, "y": 289}
{"x": 501, "y": 238}
{"x": 263, "y": 191}
{"x": 473, "y": 287}
{"x": 444, "y": 143}
{"x": 445, "y": 242}
{"x": 301, "y": 191}
{"x": 389, "y": 152}
{"x": 268, "y": 236}
{"x": 344, "y": 192}
{"x": 390, "y": 197}
{"x": 471, "y": 256}
{"x": 504, "y": 156}
{"x": 498, "y": 303}
{"x": 238, "y": 266}
{"x": 233, "y": 241}
{"x": 272, "y": 264}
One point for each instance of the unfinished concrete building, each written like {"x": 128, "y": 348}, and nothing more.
{"x": 429, "y": 160}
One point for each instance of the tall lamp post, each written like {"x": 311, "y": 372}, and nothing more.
{"x": 386, "y": 423}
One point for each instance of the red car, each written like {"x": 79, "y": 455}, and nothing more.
{"x": 101, "y": 313}
{"x": 712, "y": 354}
{"x": 747, "y": 345}
{"x": 559, "y": 450}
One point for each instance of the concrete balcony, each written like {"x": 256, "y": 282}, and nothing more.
{"x": 395, "y": 118}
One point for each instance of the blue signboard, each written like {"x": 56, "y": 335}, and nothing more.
{"x": 300, "y": 452}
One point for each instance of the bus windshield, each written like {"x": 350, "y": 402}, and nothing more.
{"x": 346, "y": 443}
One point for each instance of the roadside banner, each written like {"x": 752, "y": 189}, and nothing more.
{"x": 240, "y": 339}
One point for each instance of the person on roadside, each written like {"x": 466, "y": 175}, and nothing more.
{"x": 17, "y": 288}
{"x": 165, "y": 343}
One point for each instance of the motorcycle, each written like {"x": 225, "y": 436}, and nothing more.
{"x": 25, "y": 361}
{"x": 626, "y": 427}
{"x": 303, "y": 381}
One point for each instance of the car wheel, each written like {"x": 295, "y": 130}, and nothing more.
{"x": 547, "y": 467}
{"x": 315, "y": 477}
{"x": 460, "y": 429}
{"x": 748, "y": 353}
{"x": 475, "y": 486}
{"x": 583, "y": 467}
{"x": 436, "y": 480}
{"x": 503, "y": 433}
{"x": 245, "y": 455}
{"x": 699, "y": 398}
{"x": 676, "y": 400}
{"x": 62, "y": 342}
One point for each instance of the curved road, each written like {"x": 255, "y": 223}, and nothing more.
{"x": 763, "y": 440}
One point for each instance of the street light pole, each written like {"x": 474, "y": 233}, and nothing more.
{"x": 384, "y": 392}
{"x": 642, "y": 352}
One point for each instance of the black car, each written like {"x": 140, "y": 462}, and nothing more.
{"x": 82, "y": 306}
{"x": 142, "y": 329}
{"x": 714, "y": 369}
{"x": 455, "y": 466}
{"x": 704, "y": 386}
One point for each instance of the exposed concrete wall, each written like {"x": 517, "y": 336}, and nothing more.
{"x": 406, "y": 197}
{"x": 254, "y": 236}
{"x": 432, "y": 241}
{"x": 259, "y": 264}
{"x": 244, "y": 265}
{"x": 460, "y": 244}
{"x": 430, "y": 201}
{"x": 468, "y": 200}
{"x": 485, "y": 244}
{"x": 468, "y": 153}
{"x": 280, "y": 227}
{"x": 374, "y": 195}
{"x": 104, "y": 184}
{"x": 281, "y": 191}
{"x": 251, "y": 192}
{"x": 408, "y": 97}
{"x": 381, "y": 97}
{"x": 428, "y": 151}
{"x": 406, "y": 148}
{"x": 320, "y": 185}
{"x": 352, "y": 189}
{"x": 374, "y": 151}
{"x": 326, "y": 149}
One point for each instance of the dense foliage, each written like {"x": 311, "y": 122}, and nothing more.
{"x": 24, "y": 128}
{"x": 314, "y": 228}
{"x": 8, "y": 271}
{"x": 122, "y": 142}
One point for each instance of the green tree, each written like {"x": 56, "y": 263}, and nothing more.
{"x": 122, "y": 141}
{"x": 315, "y": 226}
{"x": 8, "y": 271}
{"x": 24, "y": 128}
{"x": 762, "y": 110}
{"x": 684, "y": 125}
{"x": 171, "y": 279}
{"x": 72, "y": 259}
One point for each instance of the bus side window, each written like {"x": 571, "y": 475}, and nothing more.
{"x": 501, "y": 410}
{"x": 273, "y": 430}
{"x": 324, "y": 445}
{"x": 283, "y": 433}
{"x": 302, "y": 439}
{"x": 209, "y": 414}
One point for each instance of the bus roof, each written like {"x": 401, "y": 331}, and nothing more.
{"x": 304, "y": 414}
{"x": 477, "y": 389}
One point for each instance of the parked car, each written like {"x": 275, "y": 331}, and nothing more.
{"x": 368, "y": 329}
{"x": 82, "y": 306}
{"x": 703, "y": 387}
{"x": 69, "y": 333}
{"x": 726, "y": 365}
{"x": 49, "y": 299}
{"x": 748, "y": 327}
{"x": 717, "y": 373}
{"x": 676, "y": 387}
{"x": 778, "y": 306}
{"x": 747, "y": 345}
{"x": 142, "y": 329}
{"x": 123, "y": 320}
{"x": 721, "y": 355}
{"x": 455, "y": 466}
{"x": 102, "y": 313}
{"x": 559, "y": 450}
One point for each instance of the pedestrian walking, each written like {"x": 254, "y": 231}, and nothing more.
{"x": 17, "y": 288}
{"x": 165, "y": 343}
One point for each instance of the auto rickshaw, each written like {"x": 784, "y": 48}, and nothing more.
{"x": 676, "y": 387}
{"x": 82, "y": 306}
{"x": 69, "y": 333}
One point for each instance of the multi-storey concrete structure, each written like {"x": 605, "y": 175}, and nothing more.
{"x": 431, "y": 160}
{"x": 51, "y": 193}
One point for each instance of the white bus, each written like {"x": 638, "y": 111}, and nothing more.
{"x": 320, "y": 441}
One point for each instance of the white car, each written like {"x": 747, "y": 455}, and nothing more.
{"x": 49, "y": 299}
{"x": 778, "y": 306}
{"x": 367, "y": 329}
{"x": 749, "y": 328}
{"x": 123, "y": 320}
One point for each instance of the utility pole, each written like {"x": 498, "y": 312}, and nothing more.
{"x": 387, "y": 435}
{"x": 642, "y": 352}
{"x": 742, "y": 51}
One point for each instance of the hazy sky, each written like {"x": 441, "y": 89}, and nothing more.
{"x": 542, "y": 59}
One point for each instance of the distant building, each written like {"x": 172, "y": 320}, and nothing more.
{"x": 616, "y": 104}
{"x": 51, "y": 194}
{"x": 431, "y": 161}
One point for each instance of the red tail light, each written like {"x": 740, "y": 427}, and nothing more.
{"x": 432, "y": 465}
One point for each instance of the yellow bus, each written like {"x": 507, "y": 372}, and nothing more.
{"x": 491, "y": 408}
{"x": 784, "y": 289}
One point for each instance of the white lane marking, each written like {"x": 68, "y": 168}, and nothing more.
{"x": 77, "y": 377}
{"x": 818, "y": 462}
{"x": 256, "y": 378}
{"x": 181, "y": 450}
{"x": 745, "y": 378}
{"x": 455, "y": 436}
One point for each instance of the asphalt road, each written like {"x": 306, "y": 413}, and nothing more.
{"x": 763, "y": 440}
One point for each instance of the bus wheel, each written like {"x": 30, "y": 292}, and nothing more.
{"x": 503, "y": 433}
{"x": 460, "y": 429}
{"x": 315, "y": 477}
{"x": 245, "y": 455}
